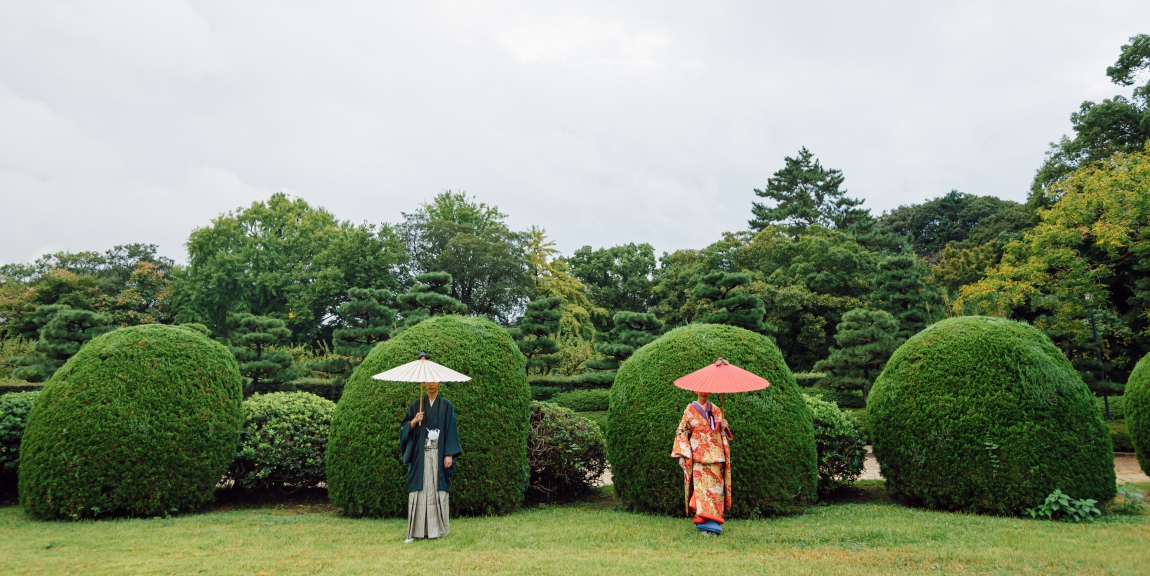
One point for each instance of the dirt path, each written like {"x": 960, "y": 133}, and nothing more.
{"x": 1124, "y": 464}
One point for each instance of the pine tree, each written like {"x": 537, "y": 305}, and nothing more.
{"x": 742, "y": 310}
{"x": 631, "y": 331}
{"x": 64, "y": 330}
{"x": 805, "y": 193}
{"x": 367, "y": 319}
{"x": 901, "y": 289}
{"x": 252, "y": 341}
{"x": 866, "y": 339}
{"x": 534, "y": 334}
{"x": 429, "y": 297}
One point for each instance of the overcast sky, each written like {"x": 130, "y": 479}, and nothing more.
{"x": 604, "y": 122}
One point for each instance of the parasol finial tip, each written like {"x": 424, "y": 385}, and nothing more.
{"x": 722, "y": 362}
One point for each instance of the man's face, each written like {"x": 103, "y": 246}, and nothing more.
{"x": 432, "y": 388}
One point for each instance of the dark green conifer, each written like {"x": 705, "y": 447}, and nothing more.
{"x": 429, "y": 297}
{"x": 252, "y": 343}
{"x": 632, "y": 330}
{"x": 534, "y": 334}
{"x": 64, "y": 331}
{"x": 742, "y": 310}
{"x": 901, "y": 289}
{"x": 866, "y": 339}
{"x": 367, "y": 319}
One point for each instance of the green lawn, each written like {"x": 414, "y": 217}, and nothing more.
{"x": 864, "y": 535}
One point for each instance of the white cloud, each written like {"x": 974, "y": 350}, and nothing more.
{"x": 602, "y": 122}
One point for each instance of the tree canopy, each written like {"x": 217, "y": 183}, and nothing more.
{"x": 804, "y": 194}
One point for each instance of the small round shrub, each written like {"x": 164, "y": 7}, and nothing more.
{"x": 1136, "y": 401}
{"x": 584, "y": 400}
{"x": 1120, "y": 436}
{"x": 141, "y": 421}
{"x": 14, "y": 409}
{"x": 566, "y": 452}
{"x": 773, "y": 456}
{"x": 987, "y": 415}
{"x": 364, "y": 473}
{"x": 840, "y": 446}
{"x": 283, "y": 441}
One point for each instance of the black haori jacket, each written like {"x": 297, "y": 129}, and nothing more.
{"x": 441, "y": 415}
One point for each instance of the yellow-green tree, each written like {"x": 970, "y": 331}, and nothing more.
{"x": 1088, "y": 257}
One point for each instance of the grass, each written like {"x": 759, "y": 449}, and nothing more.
{"x": 864, "y": 535}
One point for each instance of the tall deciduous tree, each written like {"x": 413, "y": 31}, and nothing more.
{"x": 805, "y": 193}
{"x": 285, "y": 259}
{"x": 535, "y": 334}
{"x": 1116, "y": 124}
{"x": 253, "y": 339}
{"x": 866, "y": 339}
{"x": 429, "y": 296}
{"x": 618, "y": 279}
{"x": 901, "y": 290}
{"x": 64, "y": 331}
{"x": 1088, "y": 256}
{"x": 731, "y": 307}
{"x": 470, "y": 240}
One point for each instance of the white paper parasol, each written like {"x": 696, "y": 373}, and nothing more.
{"x": 422, "y": 370}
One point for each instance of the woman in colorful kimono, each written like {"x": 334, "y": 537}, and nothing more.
{"x": 429, "y": 443}
{"x": 704, "y": 452}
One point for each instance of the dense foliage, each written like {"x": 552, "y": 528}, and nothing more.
{"x": 840, "y": 446}
{"x": 14, "y": 409}
{"x": 284, "y": 441}
{"x": 805, "y": 194}
{"x": 1137, "y": 405}
{"x": 141, "y": 421}
{"x": 774, "y": 461}
{"x": 584, "y": 400}
{"x": 566, "y": 452}
{"x": 253, "y": 342}
{"x": 866, "y": 339}
{"x": 364, "y": 472}
{"x": 986, "y": 415}
{"x": 64, "y": 331}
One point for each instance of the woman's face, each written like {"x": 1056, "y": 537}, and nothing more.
{"x": 432, "y": 388}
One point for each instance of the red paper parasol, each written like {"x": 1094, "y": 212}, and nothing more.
{"x": 721, "y": 377}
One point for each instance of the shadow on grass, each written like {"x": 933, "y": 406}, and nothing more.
{"x": 307, "y": 500}
{"x": 861, "y": 492}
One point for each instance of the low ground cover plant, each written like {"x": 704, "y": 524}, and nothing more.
{"x": 283, "y": 442}
{"x": 1059, "y": 506}
{"x": 567, "y": 453}
{"x": 142, "y": 421}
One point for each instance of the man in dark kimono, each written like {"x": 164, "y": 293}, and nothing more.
{"x": 429, "y": 443}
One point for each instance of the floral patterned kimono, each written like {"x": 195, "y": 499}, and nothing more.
{"x": 703, "y": 440}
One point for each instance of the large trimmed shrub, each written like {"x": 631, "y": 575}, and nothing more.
{"x": 773, "y": 452}
{"x": 141, "y": 421}
{"x": 840, "y": 446}
{"x": 14, "y": 409}
{"x": 364, "y": 472}
{"x": 566, "y": 452}
{"x": 1136, "y": 402}
{"x": 283, "y": 442}
{"x": 986, "y": 415}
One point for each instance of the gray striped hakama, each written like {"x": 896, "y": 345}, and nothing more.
{"x": 427, "y": 513}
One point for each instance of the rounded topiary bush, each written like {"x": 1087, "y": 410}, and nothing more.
{"x": 773, "y": 458}
{"x": 987, "y": 415}
{"x": 283, "y": 441}
{"x": 566, "y": 452}
{"x": 840, "y": 445}
{"x": 1136, "y": 402}
{"x": 14, "y": 409}
{"x": 364, "y": 473}
{"x": 141, "y": 421}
